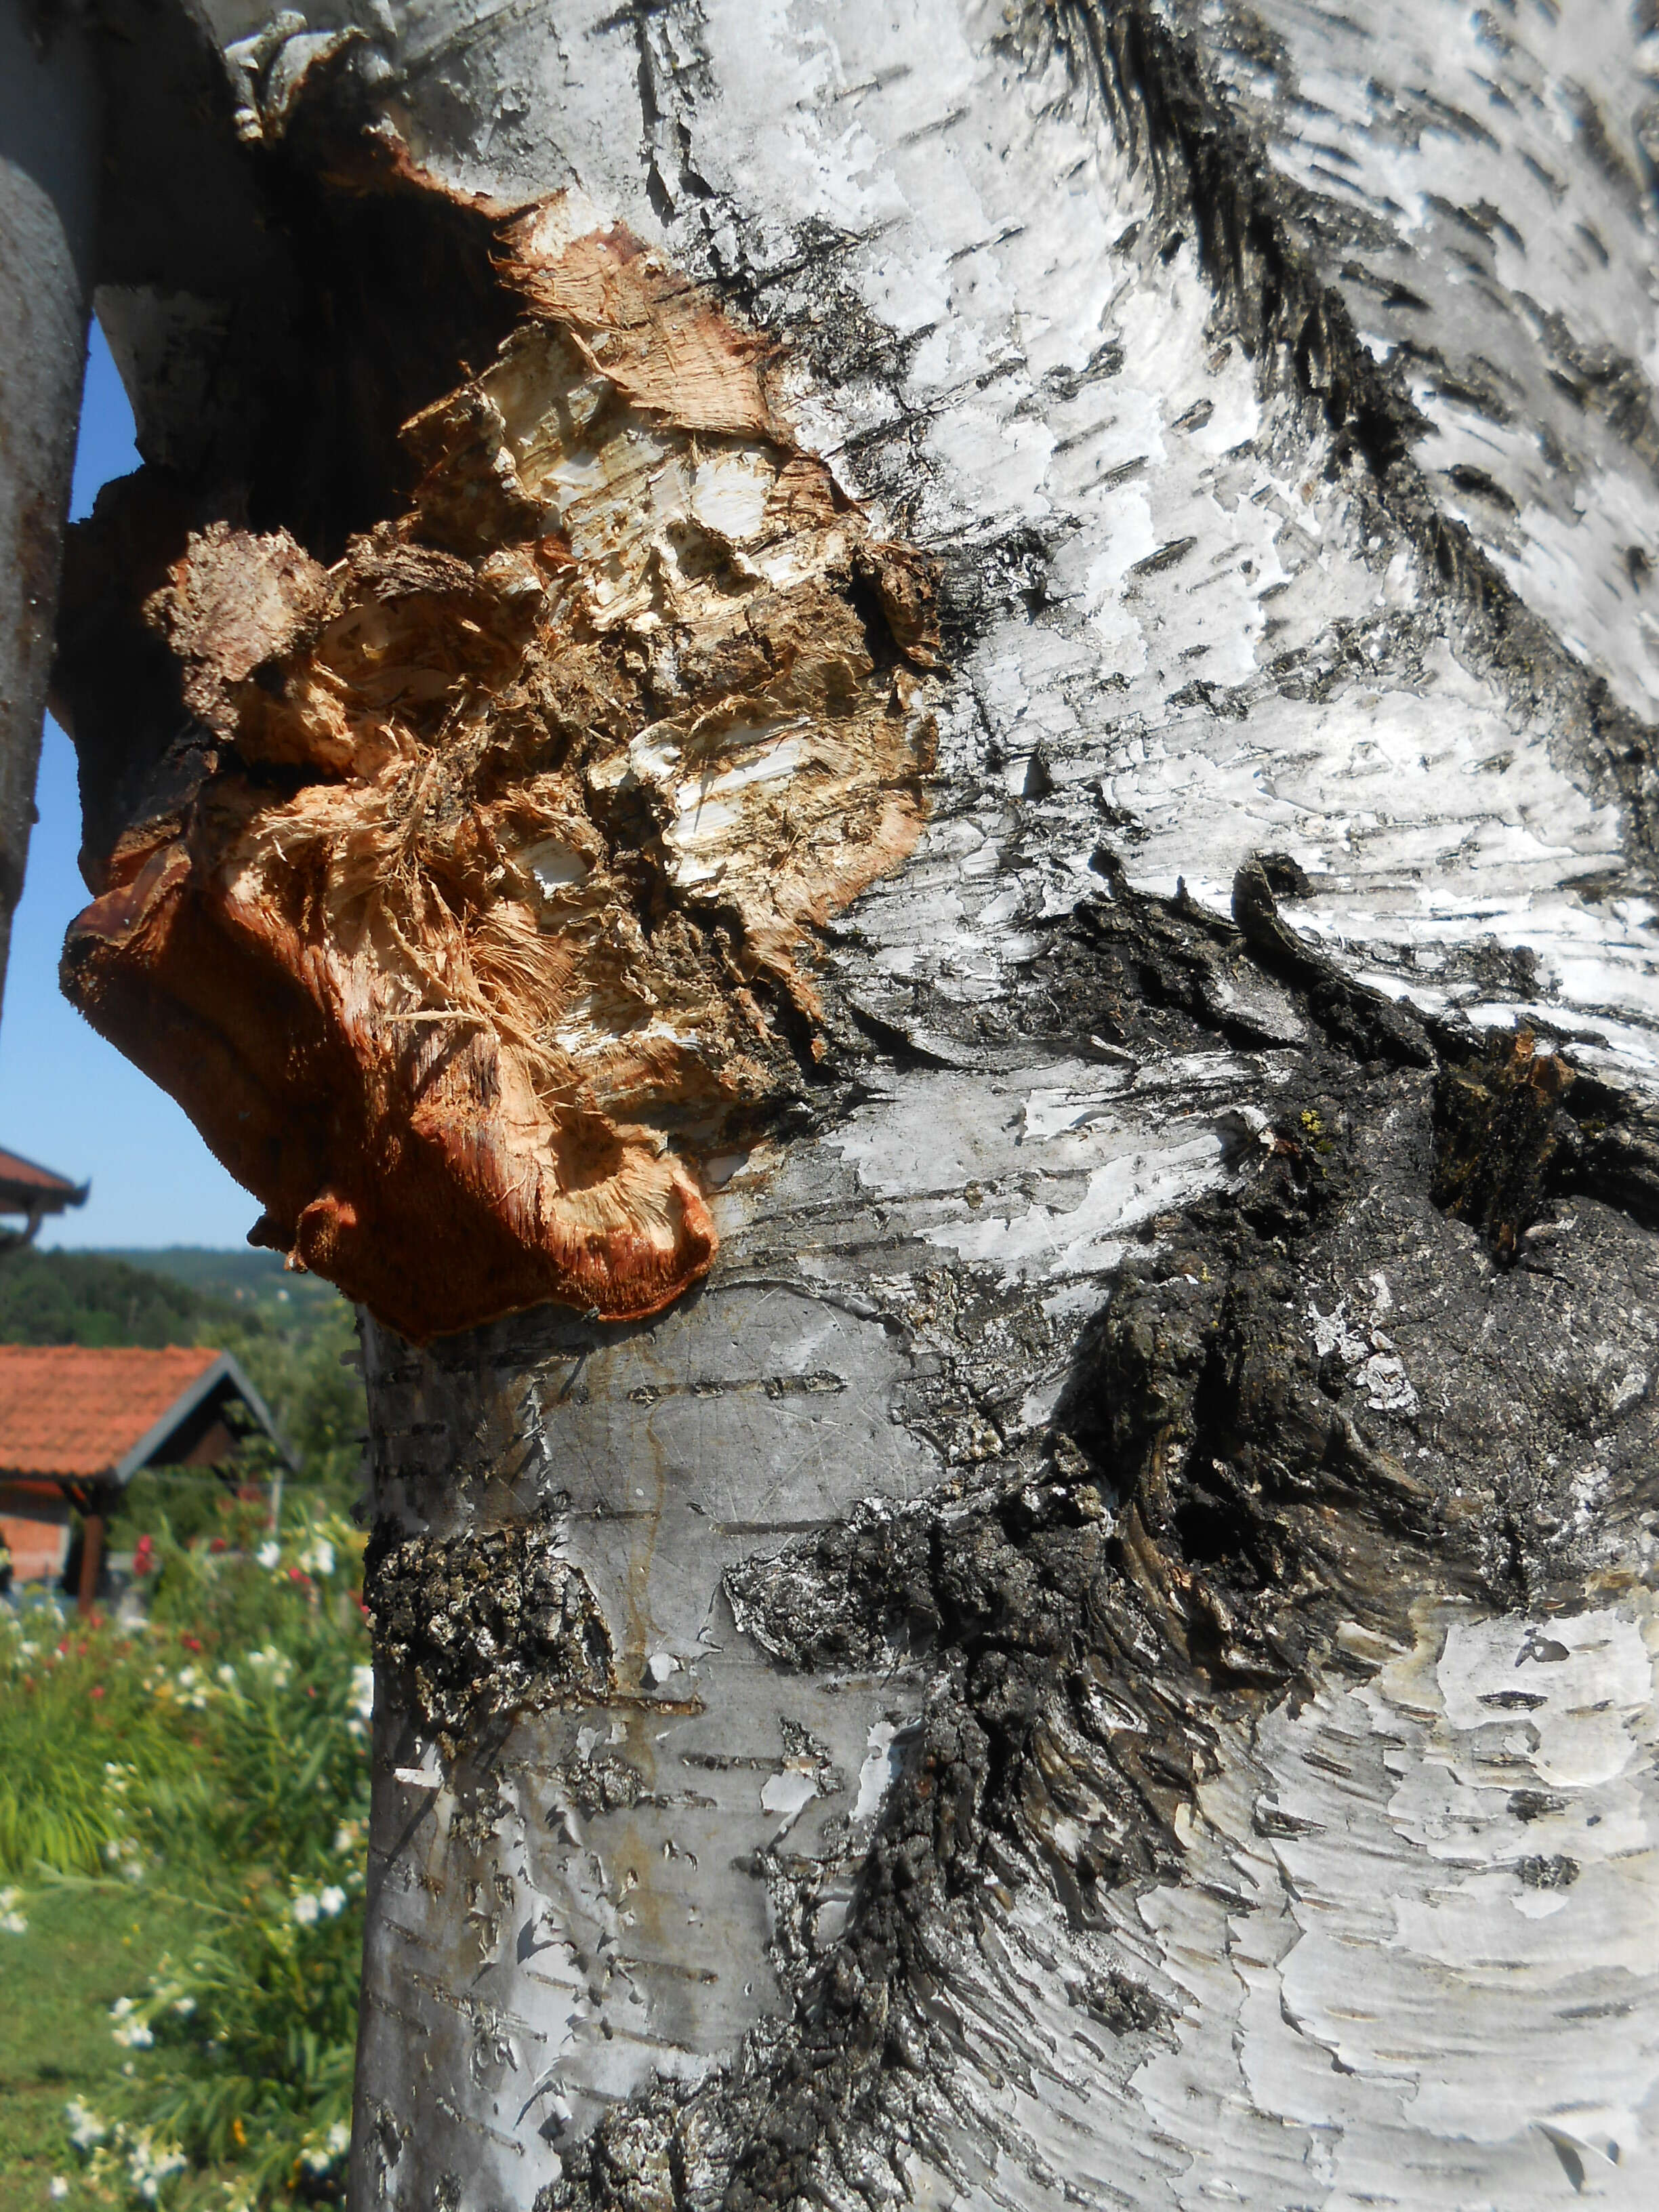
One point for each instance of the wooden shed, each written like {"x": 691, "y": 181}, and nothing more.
{"x": 77, "y": 1423}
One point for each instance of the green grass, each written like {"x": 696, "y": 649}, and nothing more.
{"x": 217, "y": 1754}
{"x": 83, "y": 1950}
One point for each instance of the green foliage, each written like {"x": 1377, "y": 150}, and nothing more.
{"x": 73, "y": 1703}
{"x": 208, "y": 1769}
{"x": 190, "y": 1506}
{"x": 216, "y": 1761}
{"x": 61, "y": 1971}
{"x": 87, "y": 1297}
{"x": 244, "y": 1275}
{"x": 317, "y": 1401}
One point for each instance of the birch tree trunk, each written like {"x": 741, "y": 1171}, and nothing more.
{"x": 1047, "y": 636}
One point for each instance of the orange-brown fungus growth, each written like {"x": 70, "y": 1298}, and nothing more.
{"x": 509, "y": 828}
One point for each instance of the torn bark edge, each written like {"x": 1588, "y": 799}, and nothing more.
{"x": 667, "y": 351}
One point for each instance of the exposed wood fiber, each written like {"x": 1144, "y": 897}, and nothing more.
{"x": 489, "y": 906}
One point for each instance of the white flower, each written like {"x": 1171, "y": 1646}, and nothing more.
{"x": 131, "y": 2033}
{"x": 318, "y": 1558}
{"x": 360, "y": 1696}
{"x": 122, "y": 1851}
{"x": 274, "y": 1666}
{"x": 148, "y": 2169}
{"x": 320, "y": 2158}
{"x": 269, "y": 1555}
{"x": 57, "y": 2187}
{"x": 331, "y": 1901}
{"x": 85, "y": 2129}
{"x": 11, "y": 1920}
{"x": 227, "y": 1674}
{"x": 183, "y": 2007}
{"x": 306, "y": 1908}
{"x": 348, "y": 1836}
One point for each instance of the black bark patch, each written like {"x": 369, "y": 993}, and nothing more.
{"x": 1518, "y": 1127}
{"x": 1204, "y": 1516}
{"x": 1362, "y": 1020}
{"x": 1555, "y": 1872}
{"x": 482, "y": 1624}
{"x": 1498, "y": 1128}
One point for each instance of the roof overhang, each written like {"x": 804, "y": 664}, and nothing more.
{"x": 192, "y": 1414}
{"x": 27, "y": 1188}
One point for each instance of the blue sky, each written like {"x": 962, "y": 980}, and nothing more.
{"x": 68, "y": 1099}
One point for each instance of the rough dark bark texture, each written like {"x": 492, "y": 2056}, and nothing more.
{"x": 1103, "y": 1650}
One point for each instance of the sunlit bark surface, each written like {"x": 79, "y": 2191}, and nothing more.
{"x": 1105, "y": 1652}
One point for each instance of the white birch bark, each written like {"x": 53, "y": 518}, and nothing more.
{"x": 757, "y": 1886}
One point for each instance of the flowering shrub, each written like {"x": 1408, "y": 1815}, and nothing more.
{"x": 225, "y": 1766}
{"x": 128, "y": 2158}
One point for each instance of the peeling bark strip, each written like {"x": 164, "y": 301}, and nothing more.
{"x": 487, "y": 907}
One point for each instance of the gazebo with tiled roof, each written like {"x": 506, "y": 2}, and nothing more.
{"x": 27, "y": 1188}
{"x": 77, "y": 1422}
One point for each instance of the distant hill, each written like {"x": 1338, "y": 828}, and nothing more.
{"x": 243, "y": 1276}
{"x": 92, "y": 1297}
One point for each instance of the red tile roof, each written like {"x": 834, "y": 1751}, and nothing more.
{"x": 29, "y": 1175}
{"x": 71, "y": 1410}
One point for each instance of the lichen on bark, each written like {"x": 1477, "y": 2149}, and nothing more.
{"x": 478, "y": 1627}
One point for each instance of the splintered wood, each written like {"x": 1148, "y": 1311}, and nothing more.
{"x": 489, "y": 910}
